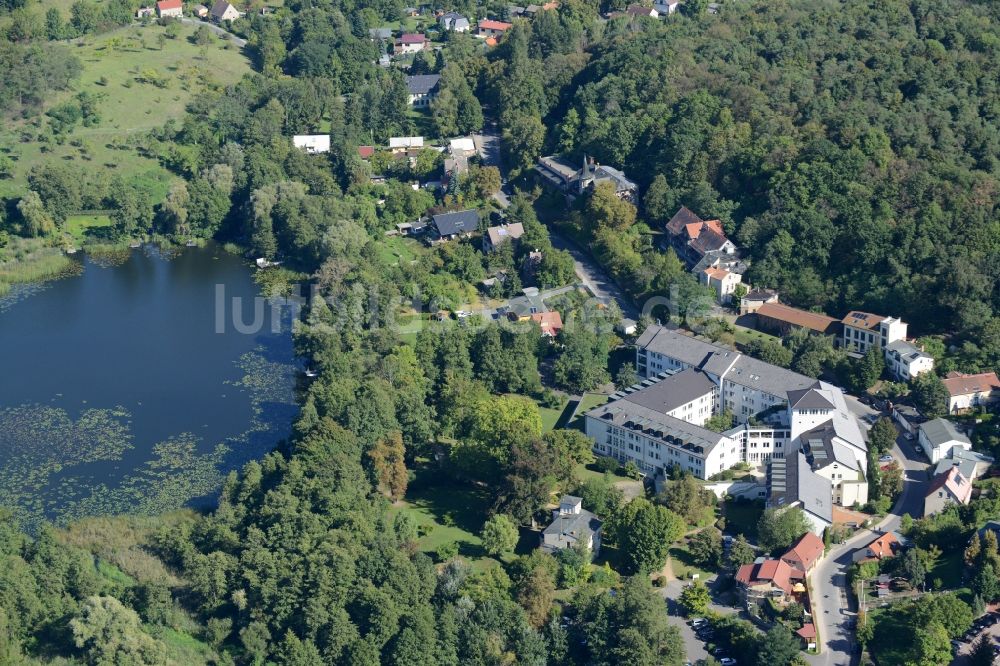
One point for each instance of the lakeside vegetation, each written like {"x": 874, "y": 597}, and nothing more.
{"x": 851, "y": 149}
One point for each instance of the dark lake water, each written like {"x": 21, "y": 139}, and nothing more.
{"x": 118, "y": 392}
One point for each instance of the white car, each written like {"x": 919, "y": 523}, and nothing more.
{"x": 727, "y": 661}
{"x": 885, "y": 458}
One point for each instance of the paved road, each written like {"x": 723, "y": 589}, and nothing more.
{"x": 239, "y": 41}
{"x": 588, "y": 271}
{"x": 693, "y": 646}
{"x": 594, "y": 278}
{"x": 829, "y": 580}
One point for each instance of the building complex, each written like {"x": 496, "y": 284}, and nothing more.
{"x": 797, "y": 428}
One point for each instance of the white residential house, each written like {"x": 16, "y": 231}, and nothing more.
{"x": 722, "y": 281}
{"x": 143, "y": 12}
{"x": 454, "y": 22}
{"x": 572, "y": 525}
{"x": 967, "y": 392}
{"x": 864, "y": 329}
{"x": 905, "y": 360}
{"x": 938, "y": 437}
{"x": 313, "y": 144}
{"x": 401, "y": 144}
{"x": 422, "y": 89}
{"x": 223, "y": 11}
{"x": 410, "y": 43}
{"x": 667, "y": 8}
{"x": 170, "y": 9}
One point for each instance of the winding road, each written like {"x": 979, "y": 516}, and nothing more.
{"x": 831, "y": 604}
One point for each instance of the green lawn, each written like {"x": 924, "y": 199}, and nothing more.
{"x": 395, "y": 250}
{"x": 445, "y": 513}
{"x": 83, "y": 228}
{"x": 746, "y": 335}
{"x": 742, "y": 517}
{"x": 113, "y": 63}
{"x": 411, "y": 324}
{"x": 683, "y": 566}
{"x": 949, "y": 569}
{"x": 423, "y": 120}
{"x": 590, "y": 400}
{"x": 182, "y": 648}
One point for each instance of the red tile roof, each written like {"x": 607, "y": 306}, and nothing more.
{"x": 768, "y": 571}
{"x": 489, "y": 24}
{"x": 681, "y": 219}
{"x": 807, "y": 631}
{"x": 717, "y": 273}
{"x": 865, "y": 320}
{"x": 550, "y": 322}
{"x": 169, "y": 4}
{"x": 786, "y": 314}
{"x": 960, "y": 384}
{"x": 954, "y": 483}
{"x": 883, "y": 546}
{"x": 805, "y": 552}
{"x": 412, "y": 38}
{"x": 364, "y": 152}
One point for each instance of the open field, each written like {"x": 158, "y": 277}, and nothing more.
{"x": 87, "y": 228}
{"x": 446, "y": 513}
{"x": 142, "y": 81}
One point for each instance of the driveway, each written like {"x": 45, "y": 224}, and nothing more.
{"x": 829, "y": 580}
{"x": 239, "y": 41}
{"x": 693, "y": 646}
{"x": 594, "y": 278}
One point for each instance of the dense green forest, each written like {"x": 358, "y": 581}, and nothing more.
{"x": 851, "y": 149}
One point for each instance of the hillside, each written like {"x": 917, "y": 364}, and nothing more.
{"x": 852, "y": 150}
{"x": 140, "y": 77}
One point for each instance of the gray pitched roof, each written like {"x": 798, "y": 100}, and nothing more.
{"x": 754, "y": 373}
{"x": 219, "y": 8}
{"x": 655, "y": 424}
{"x": 463, "y": 221}
{"x": 380, "y": 33}
{"x": 421, "y": 84}
{"x": 567, "y": 530}
{"x": 808, "y": 399}
{"x": 906, "y": 350}
{"x": 744, "y": 370}
{"x": 821, "y": 446}
{"x": 672, "y": 392}
{"x": 675, "y": 344}
{"x": 791, "y": 481}
{"x": 617, "y": 177}
{"x": 939, "y": 431}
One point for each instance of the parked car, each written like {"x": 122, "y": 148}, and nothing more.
{"x": 727, "y": 661}
{"x": 697, "y": 622}
{"x": 885, "y": 458}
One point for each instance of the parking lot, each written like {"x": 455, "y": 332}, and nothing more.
{"x": 704, "y": 633}
{"x": 988, "y": 625}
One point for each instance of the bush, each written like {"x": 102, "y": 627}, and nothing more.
{"x": 606, "y": 464}
{"x": 446, "y": 551}
{"x": 632, "y": 470}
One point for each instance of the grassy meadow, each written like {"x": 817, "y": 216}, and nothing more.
{"x": 143, "y": 79}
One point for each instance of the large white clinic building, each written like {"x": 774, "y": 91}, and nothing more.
{"x": 780, "y": 414}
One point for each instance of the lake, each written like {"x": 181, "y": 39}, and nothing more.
{"x": 119, "y": 393}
